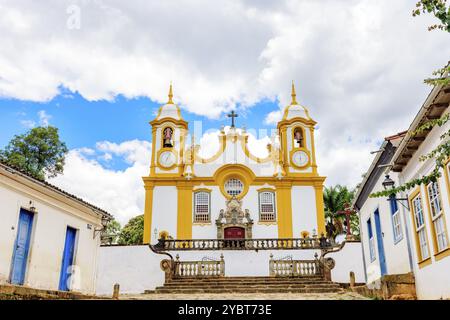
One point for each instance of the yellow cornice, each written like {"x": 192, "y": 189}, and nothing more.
{"x": 176, "y": 122}
{"x": 202, "y": 190}
{"x": 301, "y": 180}
{"x": 284, "y": 122}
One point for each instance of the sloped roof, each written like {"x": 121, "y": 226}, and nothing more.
{"x": 54, "y": 188}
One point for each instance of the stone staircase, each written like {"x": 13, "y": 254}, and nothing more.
{"x": 309, "y": 284}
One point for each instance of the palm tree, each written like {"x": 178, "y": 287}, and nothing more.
{"x": 335, "y": 199}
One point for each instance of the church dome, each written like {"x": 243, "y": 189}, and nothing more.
{"x": 295, "y": 110}
{"x": 170, "y": 109}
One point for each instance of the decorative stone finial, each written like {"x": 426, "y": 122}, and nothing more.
{"x": 293, "y": 94}
{"x": 170, "y": 94}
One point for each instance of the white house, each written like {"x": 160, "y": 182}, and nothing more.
{"x": 424, "y": 211}
{"x": 49, "y": 239}
{"x": 382, "y": 224}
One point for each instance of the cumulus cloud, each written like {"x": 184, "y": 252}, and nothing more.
{"x": 273, "y": 117}
{"x": 120, "y": 192}
{"x": 358, "y": 64}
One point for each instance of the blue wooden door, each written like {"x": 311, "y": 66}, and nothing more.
{"x": 380, "y": 244}
{"x": 67, "y": 259}
{"x": 21, "y": 247}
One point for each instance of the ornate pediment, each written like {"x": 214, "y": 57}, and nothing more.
{"x": 234, "y": 216}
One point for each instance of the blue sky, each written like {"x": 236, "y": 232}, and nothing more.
{"x": 83, "y": 123}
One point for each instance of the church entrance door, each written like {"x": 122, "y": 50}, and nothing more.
{"x": 234, "y": 233}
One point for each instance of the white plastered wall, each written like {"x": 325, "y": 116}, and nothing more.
{"x": 396, "y": 252}
{"x": 48, "y": 237}
{"x": 137, "y": 268}
{"x": 433, "y": 280}
{"x": 304, "y": 212}
{"x": 164, "y": 211}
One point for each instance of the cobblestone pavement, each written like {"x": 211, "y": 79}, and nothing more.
{"x": 248, "y": 296}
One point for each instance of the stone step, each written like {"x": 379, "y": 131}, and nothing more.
{"x": 247, "y": 290}
{"x": 251, "y": 284}
{"x": 246, "y": 283}
{"x": 226, "y": 279}
{"x": 232, "y": 287}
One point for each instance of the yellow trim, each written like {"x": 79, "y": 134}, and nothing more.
{"x": 160, "y": 166}
{"x": 447, "y": 179}
{"x": 148, "y": 213}
{"x": 238, "y": 171}
{"x": 266, "y": 189}
{"x": 201, "y": 224}
{"x": 244, "y": 145}
{"x": 223, "y": 145}
{"x": 313, "y": 150}
{"x": 443, "y": 254}
{"x": 286, "y": 157}
{"x": 284, "y": 209}
{"x": 430, "y": 216}
{"x": 412, "y": 196}
{"x": 301, "y": 180}
{"x": 178, "y": 123}
{"x": 424, "y": 263}
{"x": 202, "y": 190}
{"x": 273, "y": 190}
{"x": 291, "y": 155}
{"x": 184, "y": 210}
{"x": 320, "y": 209}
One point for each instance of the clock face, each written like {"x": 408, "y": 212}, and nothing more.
{"x": 300, "y": 158}
{"x": 167, "y": 159}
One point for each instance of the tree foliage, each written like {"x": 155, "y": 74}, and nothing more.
{"x": 39, "y": 152}
{"x": 441, "y": 153}
{"x": 133, "y": 232}
{"x": 335, "y": 199}
{"x": 439, "y": 9}
{"x": 112, "y": 233}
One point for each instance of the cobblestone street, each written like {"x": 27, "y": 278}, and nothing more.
{"x": 248, "y": 296}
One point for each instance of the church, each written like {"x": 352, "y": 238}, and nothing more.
{"x": 233, "y": 194}
{"x": 232, "y": 215}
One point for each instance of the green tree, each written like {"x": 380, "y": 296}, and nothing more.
{"x": 112, "y": 233}
{"x": 39, "y": 152}
{"x": 441, "y": 10}
{"x": 335, "y": 199}
{"x": 133, "y": 231}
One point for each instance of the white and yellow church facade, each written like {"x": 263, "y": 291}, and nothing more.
{"x": 279, "y": 196}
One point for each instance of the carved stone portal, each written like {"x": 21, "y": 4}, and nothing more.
{"x": 234, "y": 218}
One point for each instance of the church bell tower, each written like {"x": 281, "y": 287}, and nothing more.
{"x": 168, "y": 139}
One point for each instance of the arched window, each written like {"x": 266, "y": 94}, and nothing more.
{"x": 267, "y": 206}
{"x": 299, "y": 138}
{"x": 167, "y": 136}
{"x": 234, "y": 187}
{"x": 202, "y": 207}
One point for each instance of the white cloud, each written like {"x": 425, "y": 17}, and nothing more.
{"x": 273, "y": 117}
{"x": 44, "y": 118}
{"x": 120, "y": 192}
{"x": 358, "y": 64}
